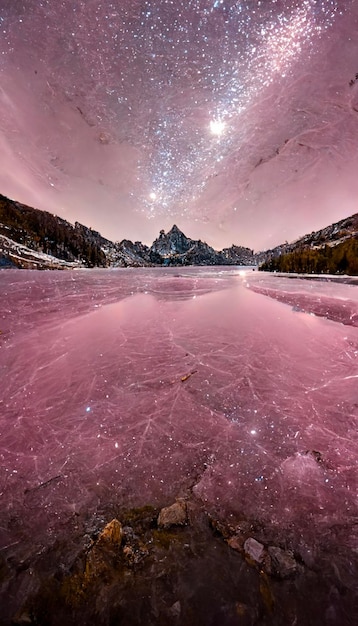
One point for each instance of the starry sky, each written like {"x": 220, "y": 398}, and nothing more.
{"x": 236, "y": 120}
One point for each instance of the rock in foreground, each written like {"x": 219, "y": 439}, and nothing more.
{"x": 174, "y": 515}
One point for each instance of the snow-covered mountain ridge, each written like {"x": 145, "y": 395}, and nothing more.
{"x": 30, "y": 238}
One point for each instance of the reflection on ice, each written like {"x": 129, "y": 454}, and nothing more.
{"x": 120, "y": 387}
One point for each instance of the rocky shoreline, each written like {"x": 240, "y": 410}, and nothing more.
{"x": 177, "y": 565}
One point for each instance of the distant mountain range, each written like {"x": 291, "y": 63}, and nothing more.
{"x": 34, "y": 239}
{"x": 30, "y": 238}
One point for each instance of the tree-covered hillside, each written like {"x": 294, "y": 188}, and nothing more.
{"x": 341, "y": 258}
{"x": 44, "y": 232}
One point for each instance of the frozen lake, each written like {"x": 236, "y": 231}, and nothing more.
{"x": 236, "y": 390}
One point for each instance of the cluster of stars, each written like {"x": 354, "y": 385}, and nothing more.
{"x": 174, "y": 79}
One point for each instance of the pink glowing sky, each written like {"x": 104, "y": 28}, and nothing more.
{"x": 234, "y": 120}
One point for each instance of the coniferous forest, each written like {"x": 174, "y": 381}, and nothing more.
{"x": 40, "y": 230}
{"x": 339, "y": 259}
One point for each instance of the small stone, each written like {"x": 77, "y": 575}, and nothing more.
{"x": 174, "y": 515}
{"x": 243, "y": 528}
{"x": 254, "y": 549}
{"x": 222, "y": 529}
{"x": 315, "y": 454}
{"x": 284, "y": 564}
{"x": 248, "y": 615}
{"x": 266, "y": 564}
{"x": 175, "y": 609}
{"x": 241, "y": 532}
{"x": 241, "y": 609}
{"x": 22, "y": 618}
{"x": 112, "y": 533}
{"x": 135, "y": 552}
{"x": 128, "y": 552}
{"x": 236, "y": 542}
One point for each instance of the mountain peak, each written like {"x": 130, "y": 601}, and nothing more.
{"x": 172, "y": 242}
{"x": 174, "y": 231}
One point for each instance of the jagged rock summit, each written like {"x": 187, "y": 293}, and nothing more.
{"x": 173, "y": 242}
{"x": 176, "y": 249}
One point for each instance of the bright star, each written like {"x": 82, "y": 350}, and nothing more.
{"x": 217, "y": 127}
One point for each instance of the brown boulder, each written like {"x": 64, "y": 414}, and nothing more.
{"x": 174, "y": 515}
